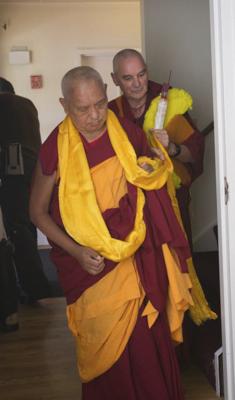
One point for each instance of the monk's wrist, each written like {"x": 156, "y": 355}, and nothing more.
{"x": 174, "y": 149}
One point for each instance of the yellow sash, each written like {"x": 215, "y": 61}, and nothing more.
{"x": 104, "y": 316}
{"x": 79, "y": 210}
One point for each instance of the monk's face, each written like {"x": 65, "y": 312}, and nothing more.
{"x": 86, "y": 104}
{"x": 132, "y": 77}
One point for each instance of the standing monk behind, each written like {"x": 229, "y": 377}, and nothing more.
{"x": 119, "y": 250}
{"x": 185, "y": 145}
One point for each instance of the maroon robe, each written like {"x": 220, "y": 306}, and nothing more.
{"x": 195, "y": 144}
{"x": 147, "y": 369}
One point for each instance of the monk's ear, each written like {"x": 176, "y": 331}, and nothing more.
{"x": 114, "y": 78}
{"x": 63, "y": 103}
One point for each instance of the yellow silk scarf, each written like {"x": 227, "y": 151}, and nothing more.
{"x": 179, "y": 101}
{"x": 79, "y": 210}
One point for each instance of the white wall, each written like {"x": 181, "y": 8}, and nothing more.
{"x": 54, "y": 32}
{"x": 177, "y": 38}
{"x": 204, "y": 214}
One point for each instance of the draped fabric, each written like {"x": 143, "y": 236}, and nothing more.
{"x": 145, "y": 344}
{"x": 79, "y": 209}
{"x": 75, "y": 280}
{"x": 181, "y": 130}
{"x": 178, "y": 128}
{"x": 95, "y": 319}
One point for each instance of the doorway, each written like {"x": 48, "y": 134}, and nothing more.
{"x": 196, "y": 40}
{"x": 101, "y": 60}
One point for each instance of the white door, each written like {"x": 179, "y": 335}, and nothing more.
{"x": 222, "y": 15}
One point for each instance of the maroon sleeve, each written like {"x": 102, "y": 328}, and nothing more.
{"x": 196, "y": 145}
{"x": 48, "y": 155}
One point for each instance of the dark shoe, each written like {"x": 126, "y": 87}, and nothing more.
{"x": 10, "y": 324}
{"x": 7, "y": 328}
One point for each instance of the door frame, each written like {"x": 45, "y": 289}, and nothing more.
{"x": 222, "y": 24}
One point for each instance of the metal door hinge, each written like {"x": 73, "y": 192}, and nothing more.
{"x": 226, "y": 191}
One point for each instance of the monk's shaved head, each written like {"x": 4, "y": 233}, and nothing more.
{"x": 85, "y": 100}
{"x": 77, "y": 75}
{"x": 126, "y": 54}
{"x": 131, "y": 75}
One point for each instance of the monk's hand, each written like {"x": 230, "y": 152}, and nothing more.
{"x": 147, "y": 167}
{"x": 162, "y": 136}
{"x": 158, "y": 153}
{"x": 90, "y": 260}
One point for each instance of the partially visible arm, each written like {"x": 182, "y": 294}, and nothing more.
{"x": 186, "y": 143}
{"x": 177, "y": 151}
{"x": 41, "y": 192}
{"x": 184, "y": 154}
{"x": 195, "y": 143}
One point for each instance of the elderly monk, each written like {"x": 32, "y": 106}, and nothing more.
{"x": 102, "y": 200}
{"x": 185, "y": 145}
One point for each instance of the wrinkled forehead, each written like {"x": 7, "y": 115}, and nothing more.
{"x": 130, "y": 65}
{"x": 86, "y": 87}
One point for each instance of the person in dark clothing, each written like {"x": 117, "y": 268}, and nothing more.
{"x": 20, "y": 142}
